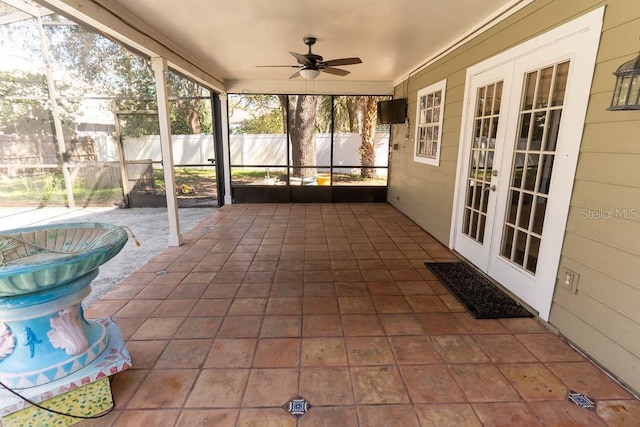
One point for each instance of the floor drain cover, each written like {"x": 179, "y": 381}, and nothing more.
{"x": 581, "y": 400}
{"x": 298, "y": 406}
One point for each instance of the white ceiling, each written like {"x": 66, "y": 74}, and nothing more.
{"x": 227, "y": 39}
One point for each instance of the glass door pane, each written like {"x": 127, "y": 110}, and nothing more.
{"x": 485, "y": 128}
{"x": 532, "y": 166}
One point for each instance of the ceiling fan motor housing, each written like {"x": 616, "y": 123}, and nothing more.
{"x": 312, "y": 57}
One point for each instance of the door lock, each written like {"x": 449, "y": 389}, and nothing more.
{"x": 494, "y": 172}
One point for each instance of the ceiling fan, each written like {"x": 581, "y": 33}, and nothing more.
{"x": 311, "y": 64}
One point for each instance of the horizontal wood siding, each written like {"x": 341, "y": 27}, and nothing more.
{"x": 416, "y": 188}
{"x": 602, "y": 241}
{"x": 603, "y": 317}
{"x": 601, "y": 348}
{"x": 424, "y": 192}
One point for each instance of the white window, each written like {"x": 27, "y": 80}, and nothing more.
{"x": 429, "y": 112}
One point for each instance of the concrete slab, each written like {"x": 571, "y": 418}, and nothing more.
{"x": 150, "y": 226}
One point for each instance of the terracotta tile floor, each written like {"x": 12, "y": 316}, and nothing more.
{"x": 264, "y": 303}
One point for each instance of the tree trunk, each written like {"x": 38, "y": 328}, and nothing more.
{"x": 352, "y": 111}
{"x": 367, "y": 148}
{"x": 194, "y": 117}
{"x": 302, "y": 116}
{"x": 285, "y": 114}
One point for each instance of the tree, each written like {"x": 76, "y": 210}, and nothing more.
{"x": 113, "y": 71}
{"x": 358, "y": 114}
{"x": 267, "y": 123}
{"x": 274, "y": 114}
{"x": 191, "y": 111}
{"x": 25, "y": 102}
{"x": 353, "y": 104}
{"x": 266, "y": 113}
{"x": 99, "y": 67}
{"x": 25, "y": 105}
{"x": 367, "y": 144}
{"x": 346, "y": 113}
{"x": 307, "y": 114}
{"x": 327, "y": 113}
{"x": 301, "y": 118}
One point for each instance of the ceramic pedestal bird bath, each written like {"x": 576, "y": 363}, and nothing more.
{"x": 45, "y": 273}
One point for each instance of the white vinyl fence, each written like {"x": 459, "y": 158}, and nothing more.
{"x": 250, "y": 149}
{"x": 187, "y": 149}
{"x": 271, "y": 150}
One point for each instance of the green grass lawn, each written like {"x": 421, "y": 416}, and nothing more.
{"x": 243, "y": 176}
{"x": 48, "y": 189}
{"x": 189, "y": 181}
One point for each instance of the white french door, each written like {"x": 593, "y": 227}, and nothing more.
{"x": 521, "y": 134}
{"x": 483, "y": 151}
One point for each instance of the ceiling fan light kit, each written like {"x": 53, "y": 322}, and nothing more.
{"x": 309, "y": 73}
{"x": 311, "y": 64}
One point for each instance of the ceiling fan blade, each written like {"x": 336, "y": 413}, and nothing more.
{"x": 294, "y": 75}
{"x": 343, "y": 61}
{"x": 335, "y": 71}
{"x": 277, "y": 66}
{"x": 301, "y": 58}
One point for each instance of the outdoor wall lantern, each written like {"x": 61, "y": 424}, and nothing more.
{"x": 626, "y": 95}
{"x": 309, "y": 73}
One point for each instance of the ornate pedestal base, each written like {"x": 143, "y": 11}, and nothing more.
{"x": 44, "y": 335}
{"x": 113, "y": 360}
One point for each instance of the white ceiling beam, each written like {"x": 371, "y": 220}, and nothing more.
{"x": 114, "y": 21}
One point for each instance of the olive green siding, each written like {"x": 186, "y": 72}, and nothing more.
{"x": 602, "y": 239}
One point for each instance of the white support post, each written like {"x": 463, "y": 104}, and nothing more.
{"x": 224, "y": 120}
{"x": 159, "y": 66}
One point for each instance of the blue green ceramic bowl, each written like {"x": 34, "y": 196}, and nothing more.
{"x": 33, "y": 259}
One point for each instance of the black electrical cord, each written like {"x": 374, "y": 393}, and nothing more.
{"x": 53, "y": 411}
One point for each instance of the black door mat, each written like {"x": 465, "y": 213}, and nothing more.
{"x": 483, "y": 299}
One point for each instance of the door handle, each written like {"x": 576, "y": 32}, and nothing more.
{"x": 490, "y": 187}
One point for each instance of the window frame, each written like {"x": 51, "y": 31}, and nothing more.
{"x": 425, "y": 92}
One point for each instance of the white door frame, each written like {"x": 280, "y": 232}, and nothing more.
{"x": 583, "y": 36}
